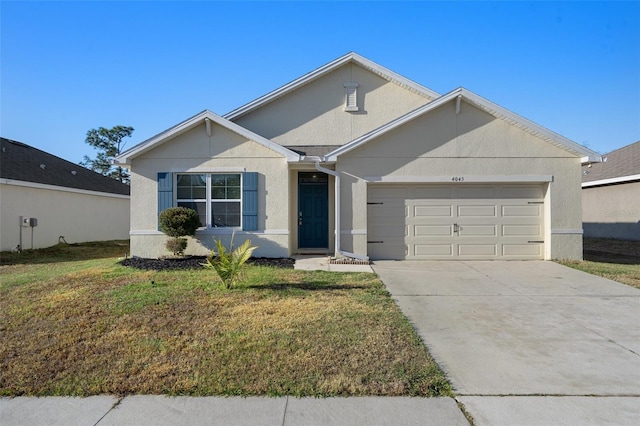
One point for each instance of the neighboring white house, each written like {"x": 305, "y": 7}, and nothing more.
{"x": 44, "y": 198}
{"x": 353, "y": 159}
{"x": 611, "y": 195}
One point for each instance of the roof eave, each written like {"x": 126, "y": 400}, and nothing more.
{"x": 126, "y": 157}
{"x": 586, "y": 155}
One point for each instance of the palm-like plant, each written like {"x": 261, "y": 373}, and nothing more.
{"x": 228, "y": 263}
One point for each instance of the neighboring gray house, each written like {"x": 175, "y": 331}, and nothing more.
{"x": 611, "y": 195}
{"x": 354, "y": 159}
{"x": 66, "y": 199}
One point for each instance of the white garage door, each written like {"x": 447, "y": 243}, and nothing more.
{"x": 455, "y": 221}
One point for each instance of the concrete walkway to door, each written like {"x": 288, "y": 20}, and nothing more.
{"x": 526, "y": 343}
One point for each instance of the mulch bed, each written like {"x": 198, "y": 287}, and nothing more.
{"x": 195, "y": 262}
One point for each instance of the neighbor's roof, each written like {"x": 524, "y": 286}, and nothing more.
{"x": 621, "y": 165}
{"x": 487, "y": 106}
{"x": 190, "y": 123}
{"x": 21, "y": 162}
{"x": 351, "y": 57}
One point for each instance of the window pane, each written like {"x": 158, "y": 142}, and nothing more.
{"x": 225, "y": 214}
{"x": 233, "y": 180}
{"x": 218, "y": 180}
{"x": 199, "y": 193}
{"x": 192, "y": 187}
{"x": 218, "y": 193}
{"x": 233, "y": 193}
{"x": 200, "y": 207}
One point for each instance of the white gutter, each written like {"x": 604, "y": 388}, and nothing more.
{"x": 337, "y": 211}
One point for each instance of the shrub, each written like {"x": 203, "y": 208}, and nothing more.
{"x": 178, "y": 222}
{"x": 228, "y": 263}
{"x": 176, "y": 245}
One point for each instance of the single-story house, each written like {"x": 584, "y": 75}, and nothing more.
{"x": 611, "y": 195}
{"x": 353, "y": 159}
{"x": 44, "y": 198}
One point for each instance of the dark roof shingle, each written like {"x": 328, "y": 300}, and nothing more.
{"x": 624, "y": 161}
{"x": 19, "y": 161}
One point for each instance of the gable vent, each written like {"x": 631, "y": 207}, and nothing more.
{"x": 351, "y": 97}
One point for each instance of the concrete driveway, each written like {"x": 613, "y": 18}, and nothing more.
{"x": 526, "y": 342}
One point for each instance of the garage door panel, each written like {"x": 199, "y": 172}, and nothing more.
{"x": 432, "y": 250}
{"x": 481, "y": 250}
{"x": 432, "y": 211}
{"x": 478, "y": 231}
{"x": 474, "y": 222}
{"x": 432, "y": 230}
{"x": 476, "y": 211}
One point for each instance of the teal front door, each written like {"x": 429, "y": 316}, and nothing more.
{"x": 313, "y": 210}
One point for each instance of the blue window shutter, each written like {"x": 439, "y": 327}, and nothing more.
{"x": 250, "y": 201}
{"x": 165, "y": 191}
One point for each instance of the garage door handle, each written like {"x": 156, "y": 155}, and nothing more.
{"x": 540, "y": 242}
{"x": 375, "y": 242}
{"x": 373, "y": 203}
{"x": 456, "y": 227}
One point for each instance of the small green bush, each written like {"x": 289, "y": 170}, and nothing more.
{"x": 228, "y": 263}
{"x": 178, "y": 222}
{"x": 176, "y": 245}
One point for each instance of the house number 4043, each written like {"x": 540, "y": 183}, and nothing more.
{"x": 457, "y": 179}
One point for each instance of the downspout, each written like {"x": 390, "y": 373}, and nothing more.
{"x": 337, "y": 213}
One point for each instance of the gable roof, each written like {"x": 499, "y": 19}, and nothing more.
{"x": 21, "y": 162}
{"x": 621, "y": 165}
{"x": 190, "y": 123}
{"x": 351, "y": 57}
{"x": 484, "y": 104}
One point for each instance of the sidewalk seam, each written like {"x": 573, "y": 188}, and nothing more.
{"x": 115, "y": 404}
{"x": 284, "y": 414}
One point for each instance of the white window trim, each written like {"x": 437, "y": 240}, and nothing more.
{"x": 208, "y": 200}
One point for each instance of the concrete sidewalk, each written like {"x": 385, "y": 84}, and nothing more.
{"x": 323, "y": 263}
{"x": 161, "y": 410}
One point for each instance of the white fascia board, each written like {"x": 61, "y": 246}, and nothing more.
{"x": 158, "y": 139}
{"x": 188, "y": 124}
{"x": 333, "y": 155}
{"x": 501, "y": 112}
{"x": 609, "y": 181}
{"x": 61, "y": 188}
{"x": 325, "y": 69}
{"x": 390, "y": 75}
{"x": 486, "y": 105}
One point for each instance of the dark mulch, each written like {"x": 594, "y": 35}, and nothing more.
{"x": 195, "y": 262}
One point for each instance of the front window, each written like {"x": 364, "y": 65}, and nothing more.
{"x": 216, "y": 197}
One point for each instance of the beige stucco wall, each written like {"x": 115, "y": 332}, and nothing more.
{"x": 224, "y": 151}
{"x": 471, "y": 143}
{"x": 612, "y": 211}
{"x": 79, "y": 217}
{"x": 314, "y": 114}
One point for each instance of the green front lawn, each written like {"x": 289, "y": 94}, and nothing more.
{"x": 617, "y": 260}
{"x": 91, "y": 326}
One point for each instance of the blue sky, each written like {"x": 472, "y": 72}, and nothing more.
{"x": 67, "y": 67}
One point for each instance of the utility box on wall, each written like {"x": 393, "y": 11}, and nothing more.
{"x": 28, "y": 221}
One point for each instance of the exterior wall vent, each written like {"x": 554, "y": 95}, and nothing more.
{"x": 351, "y": 97}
